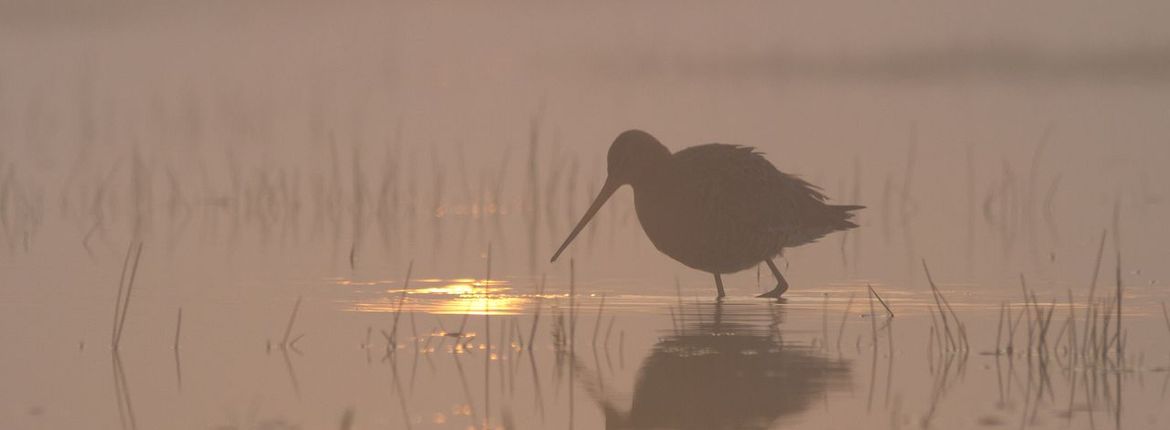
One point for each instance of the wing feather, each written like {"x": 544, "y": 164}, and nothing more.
{"x": 740, "y": 189}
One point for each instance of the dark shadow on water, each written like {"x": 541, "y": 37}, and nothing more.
{"x": 727, "y": 366}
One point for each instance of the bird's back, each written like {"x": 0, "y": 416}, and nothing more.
{"x": 735, "y": 208}
{"x": 746, "y": 189}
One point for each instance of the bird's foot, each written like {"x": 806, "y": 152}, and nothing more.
{"x": 776, "y": 293}
{"x": 770, "y": 295}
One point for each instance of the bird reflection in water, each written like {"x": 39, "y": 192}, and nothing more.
{"x": 726, "y": 367}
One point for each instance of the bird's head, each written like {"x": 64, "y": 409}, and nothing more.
{"x": 634, "y": 156}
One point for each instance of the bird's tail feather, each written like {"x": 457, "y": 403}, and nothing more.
{"x": 840, "y": 217}
{"x": 831, "y": 219}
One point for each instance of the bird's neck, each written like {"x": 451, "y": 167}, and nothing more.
{"x": 652, "y": 177}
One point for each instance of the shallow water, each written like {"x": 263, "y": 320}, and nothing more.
{"x": 646, "y": 355}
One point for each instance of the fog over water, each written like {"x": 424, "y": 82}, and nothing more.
{"x": 263, "y": 150}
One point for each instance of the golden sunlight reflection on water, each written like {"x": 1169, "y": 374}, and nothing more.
{"x": 447, "y": 297}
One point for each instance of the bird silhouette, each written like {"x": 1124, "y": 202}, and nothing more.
{"x": 718, "y": 208}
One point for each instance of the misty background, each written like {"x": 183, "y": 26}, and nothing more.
{"x": 988, "y": 137}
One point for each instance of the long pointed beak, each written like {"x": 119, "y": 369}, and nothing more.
{"x": 607, "y": 190}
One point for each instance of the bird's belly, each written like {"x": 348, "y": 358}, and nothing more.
{"x": 703, "y": 242}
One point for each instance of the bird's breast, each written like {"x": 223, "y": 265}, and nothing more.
{"x": 689, "y": 228}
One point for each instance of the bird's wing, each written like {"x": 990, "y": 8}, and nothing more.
{"x": 732, "y": 184}
{"x": 739, "y": 188}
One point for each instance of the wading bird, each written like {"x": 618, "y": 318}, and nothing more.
{"x": 717, "y": 208}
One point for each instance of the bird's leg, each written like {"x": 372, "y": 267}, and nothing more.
{"x": 719, "y": 286}
{"x": 781, "y": 284}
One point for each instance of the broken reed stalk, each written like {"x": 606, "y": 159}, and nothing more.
{"x": 572, "y": 331}
{"x": 609, "y": 331}
{"x": 1031, "y": 311}
{"x": 1016, "y": 325}
{"x": 515, "y": 333}
{"x": 844, "y": 317}
{"x": 938, "y": 301}
{"x": 1044, "y": 326}
{"x": 883, "y": 302}
{"x": 1107, "y": 309}
{"x": 1093, "y": 282}
{"x": 118, "y": 300}
{"x": 1038, "y": 324}
{"x": 1090, "y": 342}
{"x": 1060, "y": 335}
{"x": 1072, "y": 327}
{"x": 597, "y": 323}
{"x": 960, "y": 327}
{"x": 126, "y": 298}
{"x": 536, "y": 314}
{"x": 999, "y": 328}
{"x": 572, "y": 304}
{"x": 463, "y": 322}
{"x": 825, "y": 322}
{"x": 178, "y": 328}
{"x": 872, "y": 322}
{"x": 292, "y": 318}
{"x": 1012, "y": 329}
{"x": 930, "y": 341}
{"x": 1119, "y": 296}
{"x": 962, "y": 333}
{"x": 401, "y": 301}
